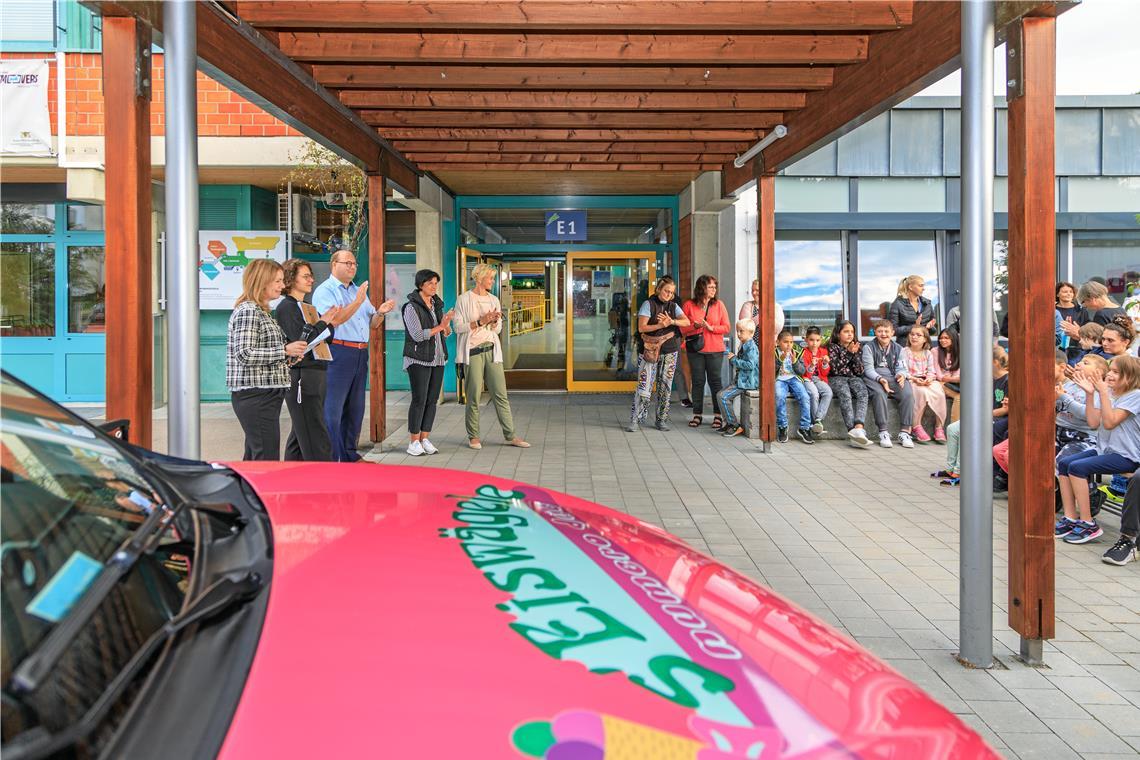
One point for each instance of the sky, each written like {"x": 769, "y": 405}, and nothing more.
{"x": 1098, "y": 52}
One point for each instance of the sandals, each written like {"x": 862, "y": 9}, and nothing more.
{"x": 943, "y": 474}
{"x": 718, "y": 422}
{"x": 696, "y": 421}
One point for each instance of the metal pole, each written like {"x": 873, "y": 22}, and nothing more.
{"x": 181, "y": 63}
{"x": 975, "y": 622}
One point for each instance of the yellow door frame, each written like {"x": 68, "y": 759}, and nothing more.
{"x": 602, "y": 258}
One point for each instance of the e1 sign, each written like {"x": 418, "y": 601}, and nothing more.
{"x": 565, "y": 225}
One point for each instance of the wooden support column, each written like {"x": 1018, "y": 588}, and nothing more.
{"x": 130, "y": 339}
{"x": 766, "y": 273}
{"x": 1032, "y": 232}
{"x": 378, "y": 414}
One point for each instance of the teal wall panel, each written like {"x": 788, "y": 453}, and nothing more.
{"x": 37, "y": 370}
{"x": 85, "y": 374}
{"x": 212, "y": 355}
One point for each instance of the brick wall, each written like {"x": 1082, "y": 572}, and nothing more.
{"x": 221, "y": 112}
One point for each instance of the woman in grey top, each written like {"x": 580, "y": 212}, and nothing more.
{"x": 425, "y": 355}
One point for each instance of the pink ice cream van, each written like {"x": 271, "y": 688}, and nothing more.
{"x": 157, "y": 607}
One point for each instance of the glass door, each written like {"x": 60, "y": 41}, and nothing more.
{"x": 604, "y": 292}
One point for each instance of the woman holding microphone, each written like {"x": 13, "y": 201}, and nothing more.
{"x": 257, "y": 372}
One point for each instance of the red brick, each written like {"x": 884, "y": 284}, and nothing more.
{"x": 229, "y": 130}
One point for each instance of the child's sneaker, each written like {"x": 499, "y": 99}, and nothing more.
{"x": 817, "y": 426}
{"x": 905, "y": 440}
{"x": 1063, "y": 527}
{"x": 1083, "y": 532}
{"x": 782, "y": 435}
{"x": 1121, "y": 553}
{"x": 804, "y": 434}
{"x": 939, "y": 435}
{"x": 920, "y": 434}
{"x": 733, "y": 431}
{"x": 885, "y": 440}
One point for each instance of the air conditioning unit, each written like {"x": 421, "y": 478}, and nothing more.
{"x": 336, "y": 199}
{"x": 304, "y": 214}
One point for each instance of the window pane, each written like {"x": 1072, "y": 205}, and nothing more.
{"x": 86, "y": 285}
{"x": 865, "y": 152}
{"x": 1001, "y": 279}
{"x": 1116, "y": 194}
{"x": 883, "y": 263}
{"x": 1122, "y": 141}
{"x": 809, "y": 282}
{"x": 85, "y": 218}
{"x": 28, "y": 21}
{"x": 1117, "y": 260}
{"x": 27, "y": 218}
{"x": 897, "y": 194}
{"x": 27, "y": 289}
{"x": 813, "y": 194}
{"x": 916, "y": 149}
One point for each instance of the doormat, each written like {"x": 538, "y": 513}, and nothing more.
{"x": 540, "y": 361}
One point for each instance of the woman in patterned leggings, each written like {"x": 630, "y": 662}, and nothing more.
{"x": 658, "y": 321}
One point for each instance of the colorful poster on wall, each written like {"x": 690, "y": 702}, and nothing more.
{"x": 25, "y": 128}
{"x": 222, "y": 258}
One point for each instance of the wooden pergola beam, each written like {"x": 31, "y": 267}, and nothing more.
{"x": 575, "y": 119}
{"x": 247, "y": 63}
{"x": 377, "y": 391}
{"x": 563, "y": 77}
{"x": 416, "y": 147}
{"x": 575, "y": 135}
{"x": 129, "y": 324}
{"x": 1032, "y": 233}
{"x": 561, "y": 158}
{"x": 900, "y": 64}
{"x": 678, "y": 15}
{"x": 577, "y": 167}
{"x": 744, "y": 48}
{"x": 567, "y": 100}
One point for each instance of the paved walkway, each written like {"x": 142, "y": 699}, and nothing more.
{"x": 864, "y": 539}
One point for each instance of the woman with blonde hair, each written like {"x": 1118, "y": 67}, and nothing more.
{"x": 751, "y": 310}
{"x": 478, "y": 322}
{"x": 257, "y": 370}
{"x": 910, "y": 308}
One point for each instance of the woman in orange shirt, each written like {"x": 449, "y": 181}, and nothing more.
{"x": 704, "y": 346}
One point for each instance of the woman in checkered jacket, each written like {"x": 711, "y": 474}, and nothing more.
{"x": 257, "y": 369}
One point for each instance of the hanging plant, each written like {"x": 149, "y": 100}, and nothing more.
{"x": 321, "y": 172}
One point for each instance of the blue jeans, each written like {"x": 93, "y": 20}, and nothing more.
{"x": 1089, "y": 463}
{"x": 344, "y": 400}
{"x": 725, "y": 398}
{"x": 796, "y": 386}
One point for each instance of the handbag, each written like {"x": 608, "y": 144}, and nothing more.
{"x": 696, "y": 343}
{"x": 652, "y": 346}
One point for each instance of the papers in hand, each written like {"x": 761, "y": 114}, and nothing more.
{"x": 318, "y": 343}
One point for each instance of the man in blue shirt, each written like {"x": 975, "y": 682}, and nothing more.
{"x": 348, "y": 372}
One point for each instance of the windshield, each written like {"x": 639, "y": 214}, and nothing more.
{"x": 70, "y": 499}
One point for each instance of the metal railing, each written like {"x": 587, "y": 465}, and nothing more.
{"x": 527, "y": 320}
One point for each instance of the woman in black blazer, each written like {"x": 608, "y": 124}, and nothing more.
{"x": 309, "y": 438}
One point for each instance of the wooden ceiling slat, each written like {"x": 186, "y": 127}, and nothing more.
{"x": 480, "y": 47}
{"x": 573, "y": 119}
{"x": 651, "y": 135}
{"x": 567, "y": 158}
{"x": 498, "y": 182}
{"x": 412, "y": 147}
{"x": 556, "y": 77}
{"x": 678, "y": 15}
{"x": 565, "y": 100}
{"x": 577, "y": 167}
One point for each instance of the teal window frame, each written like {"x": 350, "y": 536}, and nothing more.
{"x": 76, "y": 29}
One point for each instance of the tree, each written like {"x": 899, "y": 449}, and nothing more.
{"x": 320, "y": 171}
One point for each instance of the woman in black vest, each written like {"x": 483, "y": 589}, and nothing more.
{"x": 425, "y": 354}
{"x": 658, "y": 342}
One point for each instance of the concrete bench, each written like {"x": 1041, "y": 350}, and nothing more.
{"x": 833, "y": 427}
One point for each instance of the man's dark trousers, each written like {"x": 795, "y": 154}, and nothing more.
{"x": 344, "y": 404}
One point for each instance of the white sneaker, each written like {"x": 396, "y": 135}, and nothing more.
{"x": 858, "y": 437}
{"x": 429, "y": 448}
{"x": 905, "y": 440}
{"x": 416, "y": 449}
{"x": 885, "y": 440}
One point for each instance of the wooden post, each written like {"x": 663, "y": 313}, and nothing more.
{"x": 130, "y": 338}
{"x": 1032, "y": 232}
{"x": 377, "y": 397}
{"x": 766, "y": 273}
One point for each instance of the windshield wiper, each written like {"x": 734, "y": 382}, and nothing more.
{"x": 214, "y": 600}
{"x": 31, "y": 672}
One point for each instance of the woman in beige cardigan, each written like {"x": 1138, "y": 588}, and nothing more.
{"x": 478, "y": 322}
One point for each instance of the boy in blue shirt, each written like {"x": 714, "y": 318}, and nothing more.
{"x": 747, "y": 364}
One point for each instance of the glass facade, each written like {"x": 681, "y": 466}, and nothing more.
{"x": 86, "y": 289}
{"x": 884, "y": 260}
{"x": 809, "y": 279}
{"x": 1114, "y": 258}
{"x": 27, "y": 289}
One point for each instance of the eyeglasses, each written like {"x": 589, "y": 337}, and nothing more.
{"x": 347, "y": 263}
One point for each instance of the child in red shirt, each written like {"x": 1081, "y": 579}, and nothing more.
{"x": 818, "y": 364}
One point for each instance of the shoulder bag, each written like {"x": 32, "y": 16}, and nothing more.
{"x": 696, "y": 343}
